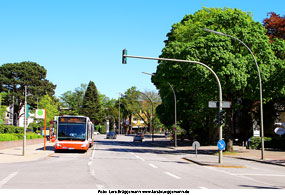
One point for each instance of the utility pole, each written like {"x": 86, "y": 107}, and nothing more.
{"x": 119, "y": 119}
{"x": 25, "y": 110}
{"x": 124, "y": 61}
{"x": 260, "y": 85}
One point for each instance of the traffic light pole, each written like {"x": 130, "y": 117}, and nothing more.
{"x": 124, "y": 61}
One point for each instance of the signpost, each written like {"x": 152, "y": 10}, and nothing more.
{"x": 221, "y": 144}
{"x": 196, "y": 145}
{"x": 256, "y": 133}
{"x": 41, "y": 114}
{"x": 215, "y": 104}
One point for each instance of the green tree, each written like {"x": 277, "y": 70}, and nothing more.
{"x": 51, "y": 105}
{"x": 15, "y": 76}
{"x": 91, "y": 106}
{"x": 2, "y": 108}
{"x": 195, "y": 85}
{"x": 136, "y": 103}
{"x": 73, "y": 100}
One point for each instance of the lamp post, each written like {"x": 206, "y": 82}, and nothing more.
{"x": 150, "y": 122}
{"x": 260, "y": 86}
{"x": 124, "y": 61}
{"x": 25, "y": 126}
{"x": 175, "y": 115}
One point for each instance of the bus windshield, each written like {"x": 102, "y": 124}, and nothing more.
{"x": 72, "y": 131}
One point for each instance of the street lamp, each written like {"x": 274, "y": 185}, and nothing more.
{"x": 124, "y": 60}
{"x": 175, "y": 118}
{"x": 25, "y": 110}
{"x": 260, "y": 86}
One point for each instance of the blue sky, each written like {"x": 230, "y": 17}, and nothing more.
{"x": 79, "y": 41}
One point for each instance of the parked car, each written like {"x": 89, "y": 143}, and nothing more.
{"x": 111, "y": 135}
{"x": 139, "y": 137}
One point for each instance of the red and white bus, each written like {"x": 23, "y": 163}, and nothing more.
{"x": 74, "y": 133}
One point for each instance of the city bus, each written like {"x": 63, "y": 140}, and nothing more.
{"x": 74, "y": 133}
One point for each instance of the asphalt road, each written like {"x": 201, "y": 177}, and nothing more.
{"x": 123, "y": 164}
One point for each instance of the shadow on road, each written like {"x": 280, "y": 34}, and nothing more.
{"x": 260, "y": 187}
{"x": 156, "y": 147}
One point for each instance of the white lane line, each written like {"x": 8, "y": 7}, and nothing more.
{"x": 93, "y": 152}
{"x": 153, "y": 166}
{"x": 172, "y": 175}
{"x": 7, "y": 179}
{"x": 201, "y": 187}
{"x": 92, "y": 156}
{"x": 240, "y": 176}
{"x": 139, "y": 158}
{"x": 253, "y": 174}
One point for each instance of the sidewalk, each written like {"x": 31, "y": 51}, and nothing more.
{"x": 271, "y": 157}
{"x": 33, "y": 152}
{"x": 206, "y": 154}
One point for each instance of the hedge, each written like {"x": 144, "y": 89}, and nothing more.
{"x": 274, "y": 143}
{"x": 11, "y": 129}
{"x": 12, "y": 137}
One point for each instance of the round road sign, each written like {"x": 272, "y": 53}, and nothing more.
{"x": 196, "y": 145}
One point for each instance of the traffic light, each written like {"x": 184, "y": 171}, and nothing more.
{"x": 124, "y": 58}
{"x": 220, "y": 117}
{"x": 28, "y": 111}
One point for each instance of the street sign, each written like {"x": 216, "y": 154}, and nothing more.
{"x": 256, "y": 133}
{"x": 221, "y": 144}
{"x": 279, "y": 131}
{"x": 40, "y": 113}
{"x": 215, "y": 104}
{"x": 196, "y": 145}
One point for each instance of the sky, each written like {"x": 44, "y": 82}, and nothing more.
{"x": 78, "y": 41}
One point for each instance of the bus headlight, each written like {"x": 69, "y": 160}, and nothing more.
{"x": 84, "y": 145}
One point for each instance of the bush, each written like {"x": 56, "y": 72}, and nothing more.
{"x": 276, "y": 143}
{"x": 12, "y": 137}
{"x": 255, "y": 142}
{"x": 97, "y": 127}
{"x": 10, "y": 129}
{"x": 8, "y": 137}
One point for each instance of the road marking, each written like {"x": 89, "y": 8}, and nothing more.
{"x": 139, "y": 158}
{"x": 201, "y": 187}
{"x": 7, "y": 179}
{"x": 99, "y": 186}
{"x": 92, "y": 172}
{"x": 93, "y": 152}
{"x": 241, "y": 176}
{"x": 92, "y": 156}
{"x": 153, "y": 166}
{"x": 172, "y": 175}
{"x": 254, "y": 174}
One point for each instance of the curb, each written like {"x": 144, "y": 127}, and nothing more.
{"x": 213, "y": 165}
{"x": 255, "y": 160}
